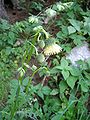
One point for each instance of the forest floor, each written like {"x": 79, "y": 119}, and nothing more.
{"x": 16, "y": 15}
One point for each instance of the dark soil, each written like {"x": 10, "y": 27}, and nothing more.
{"x": 16, "y": 15}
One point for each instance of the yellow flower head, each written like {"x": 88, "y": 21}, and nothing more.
{"x": 52, "y": 49}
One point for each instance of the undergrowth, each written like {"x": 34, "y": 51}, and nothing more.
{"x": 64, "y": 87}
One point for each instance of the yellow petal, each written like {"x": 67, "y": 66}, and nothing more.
{"x": 52, "y": 49}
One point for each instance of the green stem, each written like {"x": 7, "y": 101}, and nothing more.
{"x": 13, "y": 111}
{"x": 15, "y": 103}
{"x": 31, "y": 79}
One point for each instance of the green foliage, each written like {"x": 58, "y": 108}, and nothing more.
{"x": 65, "y": 94}
{"x": 36, "y": 5}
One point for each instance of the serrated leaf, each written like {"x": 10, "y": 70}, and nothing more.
{"x": 65, "y": 74}
{"x": 71, "y": 81}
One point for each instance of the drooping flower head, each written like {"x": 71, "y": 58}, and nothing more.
{"x": 52, "y": 48}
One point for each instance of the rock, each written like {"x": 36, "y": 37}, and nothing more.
{"x": 16, "y": 5}
{"x": 79, "y": 53}
{"x": 3, "y": 13}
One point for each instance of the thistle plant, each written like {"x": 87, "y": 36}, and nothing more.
{"x": 47, "y": 47}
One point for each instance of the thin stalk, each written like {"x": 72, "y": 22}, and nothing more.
{"x": 13, "y": 111}
{"x": 31, "y": 79}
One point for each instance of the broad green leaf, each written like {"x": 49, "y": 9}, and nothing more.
{"x": 84, "y": 86}
{"x": 77, "y": 42}
{"x": 87, "y": 25}
{"x": 65, "y": 74}
{"x": 25, "y": 81}
{"x": 60, "y": 35}
{"x": 68, "y": 68}
{"x": 65, "y": 30}
{"x": 78, "y": 39}
{"x": 46, "y": 90}
{"x": 37, "y": 87}
{"x": 87, "y": 20}
{"x": 63, "y": 86}
{"x": 75, "y": 23}
{"x": 55, "y": 62}
{"x": 36, "y": 105}
{"x": 54, "y": 92}
{"x": 71, "y": 30}
{"x": 87, "y": 75}
{"x": 40, "y": 94}
{"x": 55, "y": 70}
{"x": 71, "y": 81}
{"x": 71, "y": 14}
{"x": 83, "y": 65}
{"x": 67, "y": 47}
{"x": 75, "y": 71}
{"x": 64, "y": 63}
